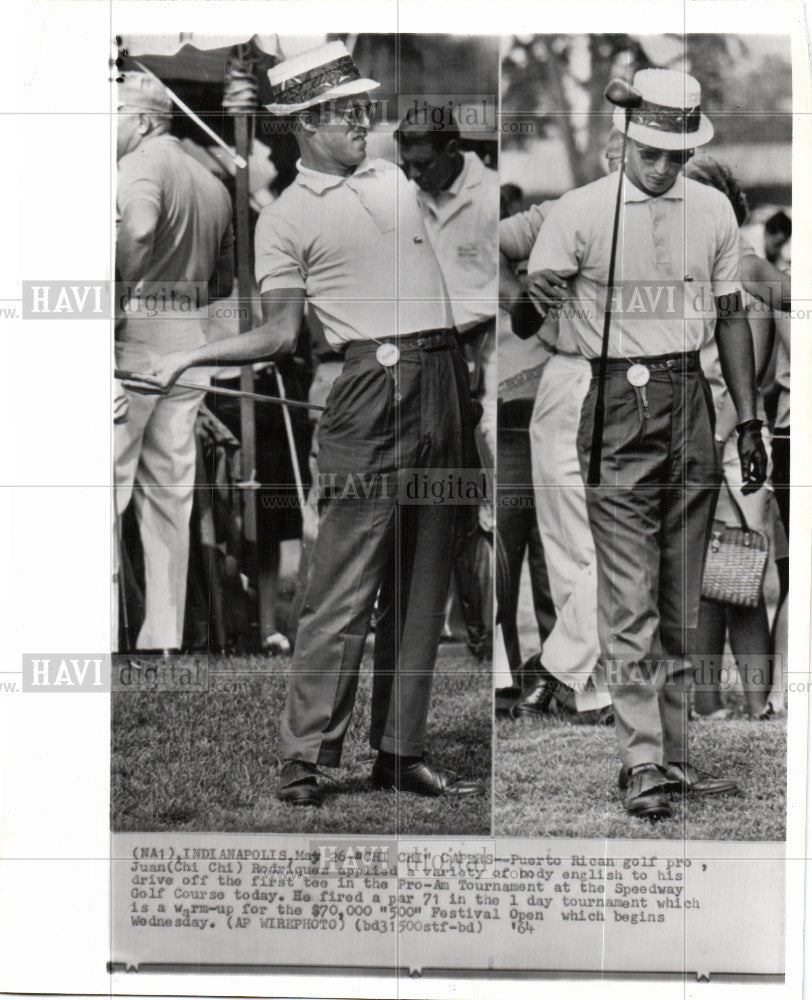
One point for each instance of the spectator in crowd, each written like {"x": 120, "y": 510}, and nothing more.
{"x": 459, "y": 198}
{"x": 566, "y": 672}
{"x": 174, "y": 248}
{"x": 747, "y": 629}
{"x": 517, "y": 535}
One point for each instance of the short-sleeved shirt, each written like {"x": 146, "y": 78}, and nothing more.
{"x": 676, "y": 252}
{"x": 517, "y": 235}
{"x": 461, "y": 223}
{"x": 358, "y": 247}
{"x": 194, "y": 222}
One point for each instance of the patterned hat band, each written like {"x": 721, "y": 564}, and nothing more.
{"x": 667, "y": 119}
{"x": 305, "y": 86}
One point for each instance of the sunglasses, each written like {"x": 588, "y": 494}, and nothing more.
{"x": 676, "y": 157}
{"x": 357, "y": 114}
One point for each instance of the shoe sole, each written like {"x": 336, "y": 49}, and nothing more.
{"x": 703, "y": 793}
{"x": 531, "y": 713}
{"x": 651, "y": 812}
{"x": 386, "y": 785}
{"x": 382, "y": 785}
{"x": 300, "y": 796}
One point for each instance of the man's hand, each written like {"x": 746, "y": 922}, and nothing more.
{"x": 162, "y": 376}
{"x": 547, "y": 290}
{"x": 752, "y": 455}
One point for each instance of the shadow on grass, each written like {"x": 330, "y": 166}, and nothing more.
{"x": 204, "y": 760}
{"x": 557, "y": 780}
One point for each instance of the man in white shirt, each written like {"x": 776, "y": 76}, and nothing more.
{"x": 174, "y": 244}
{"x": 348, "y": 236}
{"x": 650, "y": 516}
{"x": 459, "y": 198}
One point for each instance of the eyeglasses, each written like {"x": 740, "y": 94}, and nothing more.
{"x": 676, "y": 157}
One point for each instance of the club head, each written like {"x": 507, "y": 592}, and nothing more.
{"x": 623, "y": 95}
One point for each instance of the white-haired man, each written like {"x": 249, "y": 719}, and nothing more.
{"x": 650, "y": 516}
{"x": 174, "y": 252}
{"x": 348, "y": 236}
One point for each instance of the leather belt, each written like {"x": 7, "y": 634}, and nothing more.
{"x": 422, "y": 340}
{"x": 679, "y": 362}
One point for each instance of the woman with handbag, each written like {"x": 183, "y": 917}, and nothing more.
{"x": 733, "y": 603}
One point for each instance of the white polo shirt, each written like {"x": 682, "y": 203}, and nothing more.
{"x": 358, "y": 247}
{"x": 675, "y": 253}
{"x": 461, "y": 223}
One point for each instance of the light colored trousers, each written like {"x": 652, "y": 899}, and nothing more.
{"x": 155, "y": 467}
{"x": 570, "y": 652}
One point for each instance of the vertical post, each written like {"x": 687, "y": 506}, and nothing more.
{"x": 242, "y": 141}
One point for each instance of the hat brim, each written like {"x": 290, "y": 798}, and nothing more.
{"x": 665, "y": 140}
{"x": 349, "y": 89}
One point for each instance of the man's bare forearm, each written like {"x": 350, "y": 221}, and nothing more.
{"x": 276, "y": 337}
{"x": 264, "y": 343}
{"x": 736, "y": 356}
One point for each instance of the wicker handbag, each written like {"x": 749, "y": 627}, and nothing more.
{"x": 736, "y": 563}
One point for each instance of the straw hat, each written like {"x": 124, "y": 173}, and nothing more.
{"x": 315, "y": 77}
{"x": 670, "y": 116}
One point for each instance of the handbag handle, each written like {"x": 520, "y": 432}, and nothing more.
{"x": 742, "y": 522}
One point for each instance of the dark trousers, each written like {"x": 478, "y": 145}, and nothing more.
{"x": 375, "y": 541}
{"x": 363, "y": 546}
{"x": 650, "y": 518}
{"x": 517, "y": 534}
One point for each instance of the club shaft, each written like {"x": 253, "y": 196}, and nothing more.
{"x": 596, "y": 447}
{"x": 223, "y": 391}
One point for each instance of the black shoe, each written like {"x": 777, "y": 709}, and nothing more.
{"x": 539, "y": 700}
{"x": 591, "y": 717}
{"x": 644, "y": 794}
{"x": 407, "y": 774}
{"x": 505, "y": 698}
{"x": 666, "y": 784}
{"x": 298, "y": 784}
{"x": 691, "y": 781}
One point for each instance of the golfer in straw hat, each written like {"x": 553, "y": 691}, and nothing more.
{"x": 677, "y": 261}
{"x": 347, "y": 236}
{"x": 174, "y": 249}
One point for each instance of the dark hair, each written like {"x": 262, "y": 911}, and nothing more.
{"x": 709, "y": 171}
{"x": 779, "y": 222}
{"x": 431, "y": 123}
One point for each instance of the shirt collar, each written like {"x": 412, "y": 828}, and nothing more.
{"x": 633, "y": 193}
{"x": 318, "y": 181}
{"x": 469, "y": 177}
{"x": 463, "y": 179}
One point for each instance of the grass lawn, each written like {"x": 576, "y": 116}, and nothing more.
{"x": 205, "y": 760}
{"x": 554, "y": 779}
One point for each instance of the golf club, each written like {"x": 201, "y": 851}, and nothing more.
{"x": 622, "y": 95}
{"x": 140, "y": 383}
